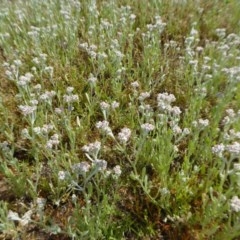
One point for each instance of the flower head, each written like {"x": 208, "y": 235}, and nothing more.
{"x": 81, "y": 167}
{"x": 70, "y": 98}
{"x": 124, "y": 135}
{"x": 165, "y": 100}
{"x": 104, "y": 106}
{"x": 218, "y": 149}
{"x": 143, "y": 96}
{"x": 100, "y": 164}
{"x": 92, "y": 149}
{"x": 135, "y": 85}
{"x": 147, "y": 127}
{"x": 233, "y": 148}
{"x": 104, "y": 127}
{"x": 62, "y": 175}
{"x": 117, "y": 171}
{"x": 69, "y": 90}
{"x": 27, "y": 110}
{"x": 235, "y": 204}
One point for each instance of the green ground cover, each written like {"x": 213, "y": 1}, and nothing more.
{"x": 119, "y": 119}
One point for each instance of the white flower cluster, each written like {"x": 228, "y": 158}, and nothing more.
{"x": 92, "y": 149}
{"x": 221, "y": 32}
{"x": 200, "y": 90}
{"x": 53, "y": 141}
{"x": 24, "y": 80}
{"x": 232, "y": 73}
{"x": 69, "y": 97}
{"x": 105, "y": 107}
{"x": 17, "y": 62}
{"x": 147, "y": 127}
{"x": 40, "y": 60}
{"x": 27, "y": 110}
{"x": 233, "y": 149}
{"x": 176, "y": 129}
{"x": 233, "y": 134}
{"x": 231, "y": 117}
{"x": 62, "y": 175}
{"x": 47, "y": 95}
{"x": 82, "y": 167}
{"x": 159, "y": 25}
{"x": 135, "y": 85}
{"x": 115, "y": 52}
{"x": 33, "y": 102}
{"x": 201, "y": 123}
{"x": 49, "y": 69}
{"x": 103, "y": 126}
{"x": 164, "y": 101}
{"x": 124, "y": 135}
{"x": 175, "y": 111}
{"x": 170, "y": 114}
{"x": 146, "y": 110}
{"x": 41, "y": 202}
{"x": 12, "y": 71}
{"x": 69, "y": 90}
{"x": 105, "y": 25}
{"x": 115, "y": 104}
{"x": 235, "y": 204}
{"x": 100, "y": 164}
{"x": 117, "y": 171}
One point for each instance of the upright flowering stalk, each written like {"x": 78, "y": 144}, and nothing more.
{"x": 47, "y": 97}
{"x": 81, "y": 168}
{"x": 143, "y": 96}
{"x": 117, "y": 172}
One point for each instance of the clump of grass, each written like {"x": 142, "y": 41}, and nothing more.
{"x": 119, "y": 119}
